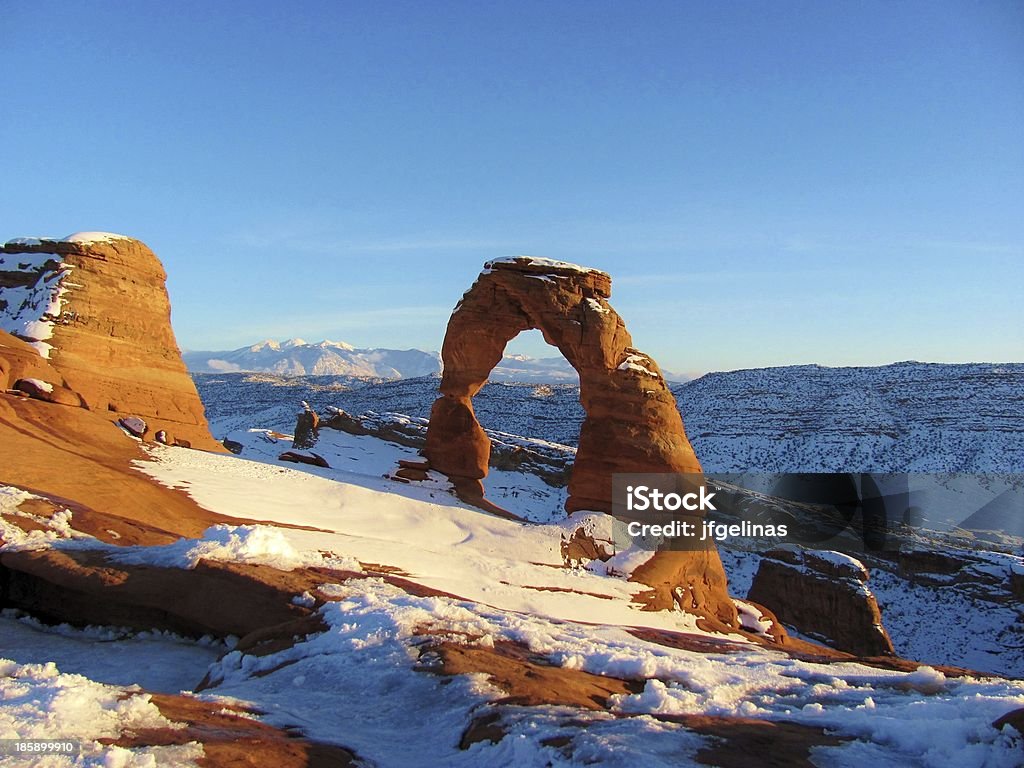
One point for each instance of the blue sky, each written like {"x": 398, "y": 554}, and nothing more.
{"x": 767, "y": 183}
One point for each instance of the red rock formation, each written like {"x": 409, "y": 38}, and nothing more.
{"x": 95, "y": 305}
{"x": 632, "y": 422}
{"x": 823, "y": 594}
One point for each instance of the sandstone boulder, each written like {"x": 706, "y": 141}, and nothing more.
{"x": 823, "y": 594}
{"x": 39, "y": 389}
{"x": 134, "y": 425}
{"x": 95, "y": 307}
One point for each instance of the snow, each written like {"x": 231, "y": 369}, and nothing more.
{"x": 39, "y": 384}
{"x": 597, "y": 306}
{"x": 917, "y": 718}
{"x": 38, "y": 701}
{"x": 57, "y": 528}
{"x": 946, "y": 625}
{"x": 841, "y": 563}
{"x": 752, "y": 619}
{"x": 29, "y": 241}
{"x": 157, "y": 661}
{"x": 637, "y": 363}
{"x": 253, "y": 544}
{"x": 539, "y": 261}
{"x": 32, "y": 309}
{"x": 93, "y": 237}
{"x": 419, "y": 529}
{"x": 362, "y": 683}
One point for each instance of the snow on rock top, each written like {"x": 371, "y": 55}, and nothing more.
{"x": 93, "y": 237}
{"x": 16, "y": 241}
{"x": 537, "y": 261}
{"x": 328, "y": 344}
{"x": 637, "y": 363}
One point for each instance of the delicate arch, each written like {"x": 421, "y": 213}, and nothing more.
{"x": 632, "y": 423}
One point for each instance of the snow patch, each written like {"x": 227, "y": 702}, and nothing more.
{"x": 33, "y": 305}
{"x": 253, "y": 544}
{"x": 93, "y": 237}
{"x": 37, "y": 701}
{"x": 56, "y": 528}
{"x": 539, "y": 261}
{"x": 39, "y": 384}
{"x": 637, "y": 363}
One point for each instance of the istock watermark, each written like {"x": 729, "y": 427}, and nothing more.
{"x": 681, "y": 512}
{"x": 851, "y": 512}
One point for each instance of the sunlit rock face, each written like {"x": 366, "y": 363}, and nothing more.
{"x": 95, "y": 306}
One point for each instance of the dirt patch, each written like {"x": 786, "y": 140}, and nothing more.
{"x": 796, "y": 648}
{"x": 530, "y": 680}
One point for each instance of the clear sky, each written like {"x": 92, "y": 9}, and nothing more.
{"x": 767, "y": 183}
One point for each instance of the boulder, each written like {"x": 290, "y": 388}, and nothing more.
{"x": 823, "y": 594}
{"x": 39, "y": 389}
{"x": 134, "y": 425}
{"x": 307, "y": 428}
{"x": 95, "y": 307}
{"x": 313, "y": 459}
{"x": 232, "y": 445}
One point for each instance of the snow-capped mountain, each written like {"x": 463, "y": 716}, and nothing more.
{"x": 296, "y": 357}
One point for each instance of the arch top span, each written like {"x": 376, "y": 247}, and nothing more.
{"x": 632, "y": 423}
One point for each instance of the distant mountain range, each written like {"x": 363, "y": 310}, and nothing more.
{"x": 297, "y": 357}
{"x": 905, "y": 417}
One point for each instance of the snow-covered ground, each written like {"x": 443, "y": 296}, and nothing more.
{"x": 361, "y": 683}
{"x": 157, "y": 661}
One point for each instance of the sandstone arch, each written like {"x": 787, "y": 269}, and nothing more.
{"x": 632, "y": 423}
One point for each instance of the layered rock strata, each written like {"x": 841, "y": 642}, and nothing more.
{"x": 95, "y": 308}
